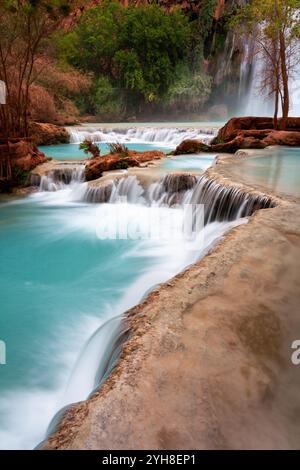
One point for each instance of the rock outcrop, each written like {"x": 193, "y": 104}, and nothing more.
{"x": 191, "y": 146}
{"x": 95, "y": 167}
{"x": 48, "y": 134}
{"x": 23, "y": 154}
{"x": 237, "y": 126}
{"x": 246, "y": 133}
{"x": 17, "y": 158}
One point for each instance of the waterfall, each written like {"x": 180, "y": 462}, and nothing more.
{"x": 165, "y": 136}
{"x": 96, "y": 360}
{"x": 116, "y": 190}
{"x": 58, "y": 178}
{"x": 251, "y": 101}
{"x": 221, "y": 203}
{"x": 98, "y": 194}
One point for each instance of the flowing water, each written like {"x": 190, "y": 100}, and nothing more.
{"x": 143, "y": 138}
{"x": 65, "y": 283}
{"x": 252, "y": 101}
{"x": 189, "y": 162}
{"x": 164, "y": 136}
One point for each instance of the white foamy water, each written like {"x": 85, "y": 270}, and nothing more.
{"x": 168, "y": 137}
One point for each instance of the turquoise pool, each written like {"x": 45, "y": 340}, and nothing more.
{"x": 72, "y": 151}
{"x": 60, "y": 282}
{"x": 196, "y": 163}
{"x": 276, "y": 168}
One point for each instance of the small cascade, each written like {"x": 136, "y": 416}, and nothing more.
{"x": 127, "y": 188}
{"x": 166, "y": 136}
{"x": 221, "y": 203}
{"x": 89, "y": 372}
{"x": 58, "y": 178}
{"x": 171, "y": 189}
{"x": 98, "y": 194}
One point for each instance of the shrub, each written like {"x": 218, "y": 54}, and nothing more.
{"x": 121, "y": 149}
{"x": 89, "y": 147}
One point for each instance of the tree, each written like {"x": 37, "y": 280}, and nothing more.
{"x": 25, "y": 30}
{"x": 136, "y": 48}
{"x": 275, "y": 26}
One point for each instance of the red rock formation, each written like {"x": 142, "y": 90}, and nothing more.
{"x": 48, "y": 134}
{"x": 289, "y": 138}
{"x": 233, "y": 127}
{"x": 16, "y": 159}
{"x": 191, "y": 146}
{"x": 246, "y": 133}
{"x": 96, "y": 166}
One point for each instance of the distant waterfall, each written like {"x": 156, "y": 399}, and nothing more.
{"x": 60, "y": 177}
{"x": 252, "y": 102}
{"x": 165, "y": 136}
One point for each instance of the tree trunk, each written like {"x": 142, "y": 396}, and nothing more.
{"x": 275, "y": 118}
{"x": 285, "y": 80}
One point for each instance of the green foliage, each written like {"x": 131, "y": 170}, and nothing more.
{"x": 107, "y": 100}
{"x": 189, "y": 91}
{"x": 89, "y": 147}
{"x": 118, "y": 148}
{"x": 206, "y": 17}
{"x": 132, "y": 50}
{"x": 272, "y": 15}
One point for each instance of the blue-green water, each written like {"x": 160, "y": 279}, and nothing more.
{"x": 72, "y": 151}
{"x": 189, "y": 162}
{"x": 59, "y": 283}
{"x": 275, "y": 168}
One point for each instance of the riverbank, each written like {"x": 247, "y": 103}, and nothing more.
{"x": 208, "y": 363}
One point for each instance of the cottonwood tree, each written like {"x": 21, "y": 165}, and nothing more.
{"x": 25, "y": 31}
{"x": 275, "y": 27}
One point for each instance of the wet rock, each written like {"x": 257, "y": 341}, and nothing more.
{"x": 97, "y": 166}
{"x": 288, "y": 138}
{"x": 239, "y": 142}
{"x": 255, "y": 132}
{"x": 174, "y": 183}
{"x": 48, "y": 134}
{"x": 22, "y": 154}
{"x": 191, "y": 146}
{"x": 241, "y": 126}
{"x": 99, "y": 193}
